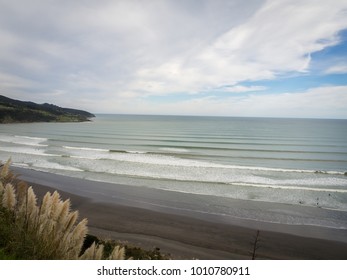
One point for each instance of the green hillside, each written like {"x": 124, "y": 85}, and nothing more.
{"x": 15, "y": 111}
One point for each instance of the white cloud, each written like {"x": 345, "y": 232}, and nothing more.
{"x": 240, "y": 88}
{"x": 8, "y": 81}
{"x": 278, "y": 38}
{"x": 112, "y": 56}
{"x": 322, "y": 102}
{"x": 337, "y": 69}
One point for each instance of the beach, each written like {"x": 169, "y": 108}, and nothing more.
{"x": 176, "y": 223}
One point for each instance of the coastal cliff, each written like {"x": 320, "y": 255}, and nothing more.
{"x": 15, "y": 111}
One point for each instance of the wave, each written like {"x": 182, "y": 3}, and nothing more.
{"x": 191, "y": 171}
{"x": 85, "y": 149}
{"x": 289, "y": 187}
{"x": 157, "y": 158}
{"x": 214, "y": 148}
{"x": 135, "y": 152}
{"x": 174, "y": 159}
{"x": 287, "y": 170}
{"x": 27, "y": 151}
{"x": 20, "y": 164}
{"x": 44, "y": 165}
{"x": 32, "y": 138}
{"x": 176, "y": 150}
{"x": 53, "y": 165}
{"x": 165, "y": 156}
{"x": 23, "y": 140}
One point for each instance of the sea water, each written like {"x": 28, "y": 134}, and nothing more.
{"x": 299, "y": 162}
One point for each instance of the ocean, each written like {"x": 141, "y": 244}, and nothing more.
{"x": 297, "y": 162}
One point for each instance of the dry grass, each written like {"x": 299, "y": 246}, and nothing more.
{"x": 46, "y": 231}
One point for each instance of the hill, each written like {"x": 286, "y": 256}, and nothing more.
{"x": 16, "y": 111}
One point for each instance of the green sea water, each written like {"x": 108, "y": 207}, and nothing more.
{"x": 290, "y": 161}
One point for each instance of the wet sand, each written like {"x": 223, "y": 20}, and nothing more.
{"x": 174, "y": 222}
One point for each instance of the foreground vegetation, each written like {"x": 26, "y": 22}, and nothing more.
{"x": 46, "y": 231}
{"x": 50, "y": 229}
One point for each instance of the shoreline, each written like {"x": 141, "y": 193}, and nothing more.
{"x": 145, "y": 218}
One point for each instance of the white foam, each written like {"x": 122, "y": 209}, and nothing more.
{"x": 176, "y": 161}
{"x": 27, "y": 151}
{"x": 20, "y": 164}
{"x": 136, "y": 156}
{"x": 171, "y": 160}
{"x": 54, "y": 165}
{"x": 288, "y": 187}
{"x": 23, "y": 140}
{"x": 32, "y": 138}
{"x": 256, "y": 168}
{"x": 136, "y": 152}
{"x": 206, "y": 179}
{"x": 175, "y": 150}
{"x": 85, "y": 149}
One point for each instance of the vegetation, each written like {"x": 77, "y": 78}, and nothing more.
{"x": 50, "y": 230}
{"x": 46, "y": 231}
{"x": 15, "y": 111}
{"x": 132, "y": 252}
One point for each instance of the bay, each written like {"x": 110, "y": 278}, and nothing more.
{"x": 298, "y": 162}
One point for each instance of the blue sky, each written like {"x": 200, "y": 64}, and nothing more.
{"x": 276, "y": 58}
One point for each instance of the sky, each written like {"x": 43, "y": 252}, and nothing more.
{"x": 257, "y": 58}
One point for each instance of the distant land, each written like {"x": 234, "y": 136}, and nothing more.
{"x": 16, "y": 111}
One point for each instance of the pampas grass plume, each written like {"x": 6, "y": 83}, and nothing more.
{"x": 99, "y": 252}
{"x": 32, "y": 209}
{"x": 70, "y": 221}
{"x": 117, "y": 253}
{"x": 5, "y": 170}
{"x": 46, "y": 204}
{"x": 50, "y": 229}
{"x": 22, "y": 191}
{"x": 80, "y": 230}
{"x": 89, "y": 253}
{"x": 63, "y": 214}
{"x": 55, "y": 205}
{"x": 9, "y": 197}
{"x": 1, "y": 188}
{"x": 76, "y": 239}
{"x": 94, "y": 252}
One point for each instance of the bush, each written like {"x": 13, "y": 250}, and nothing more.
{"x": 46, "y": 231}
{"x": 131, "y": 252}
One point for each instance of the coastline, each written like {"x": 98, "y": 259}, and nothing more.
{"x": 144, "y": 217}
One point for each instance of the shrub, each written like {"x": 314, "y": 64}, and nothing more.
{"x": 131, "y": 251}
{"x": 46, "y": 231}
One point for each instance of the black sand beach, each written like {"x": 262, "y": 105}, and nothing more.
{"x": 177, "y": 224}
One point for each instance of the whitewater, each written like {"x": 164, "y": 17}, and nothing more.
{"x": 284, "y": 161}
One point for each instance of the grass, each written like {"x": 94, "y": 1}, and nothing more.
{"x": 131, "y": 252}
{"x": 5, "y": 256}
{"x": 50, "y": 230}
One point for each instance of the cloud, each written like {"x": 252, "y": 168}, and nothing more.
{"x": 260, "y": 48}
{"x": 114, "y": 56}
{"x": 321, "y": 102}
{"x": 337, "y": 69}
{"x": 240, "y": 88}
{"x": 13, "y": 82}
